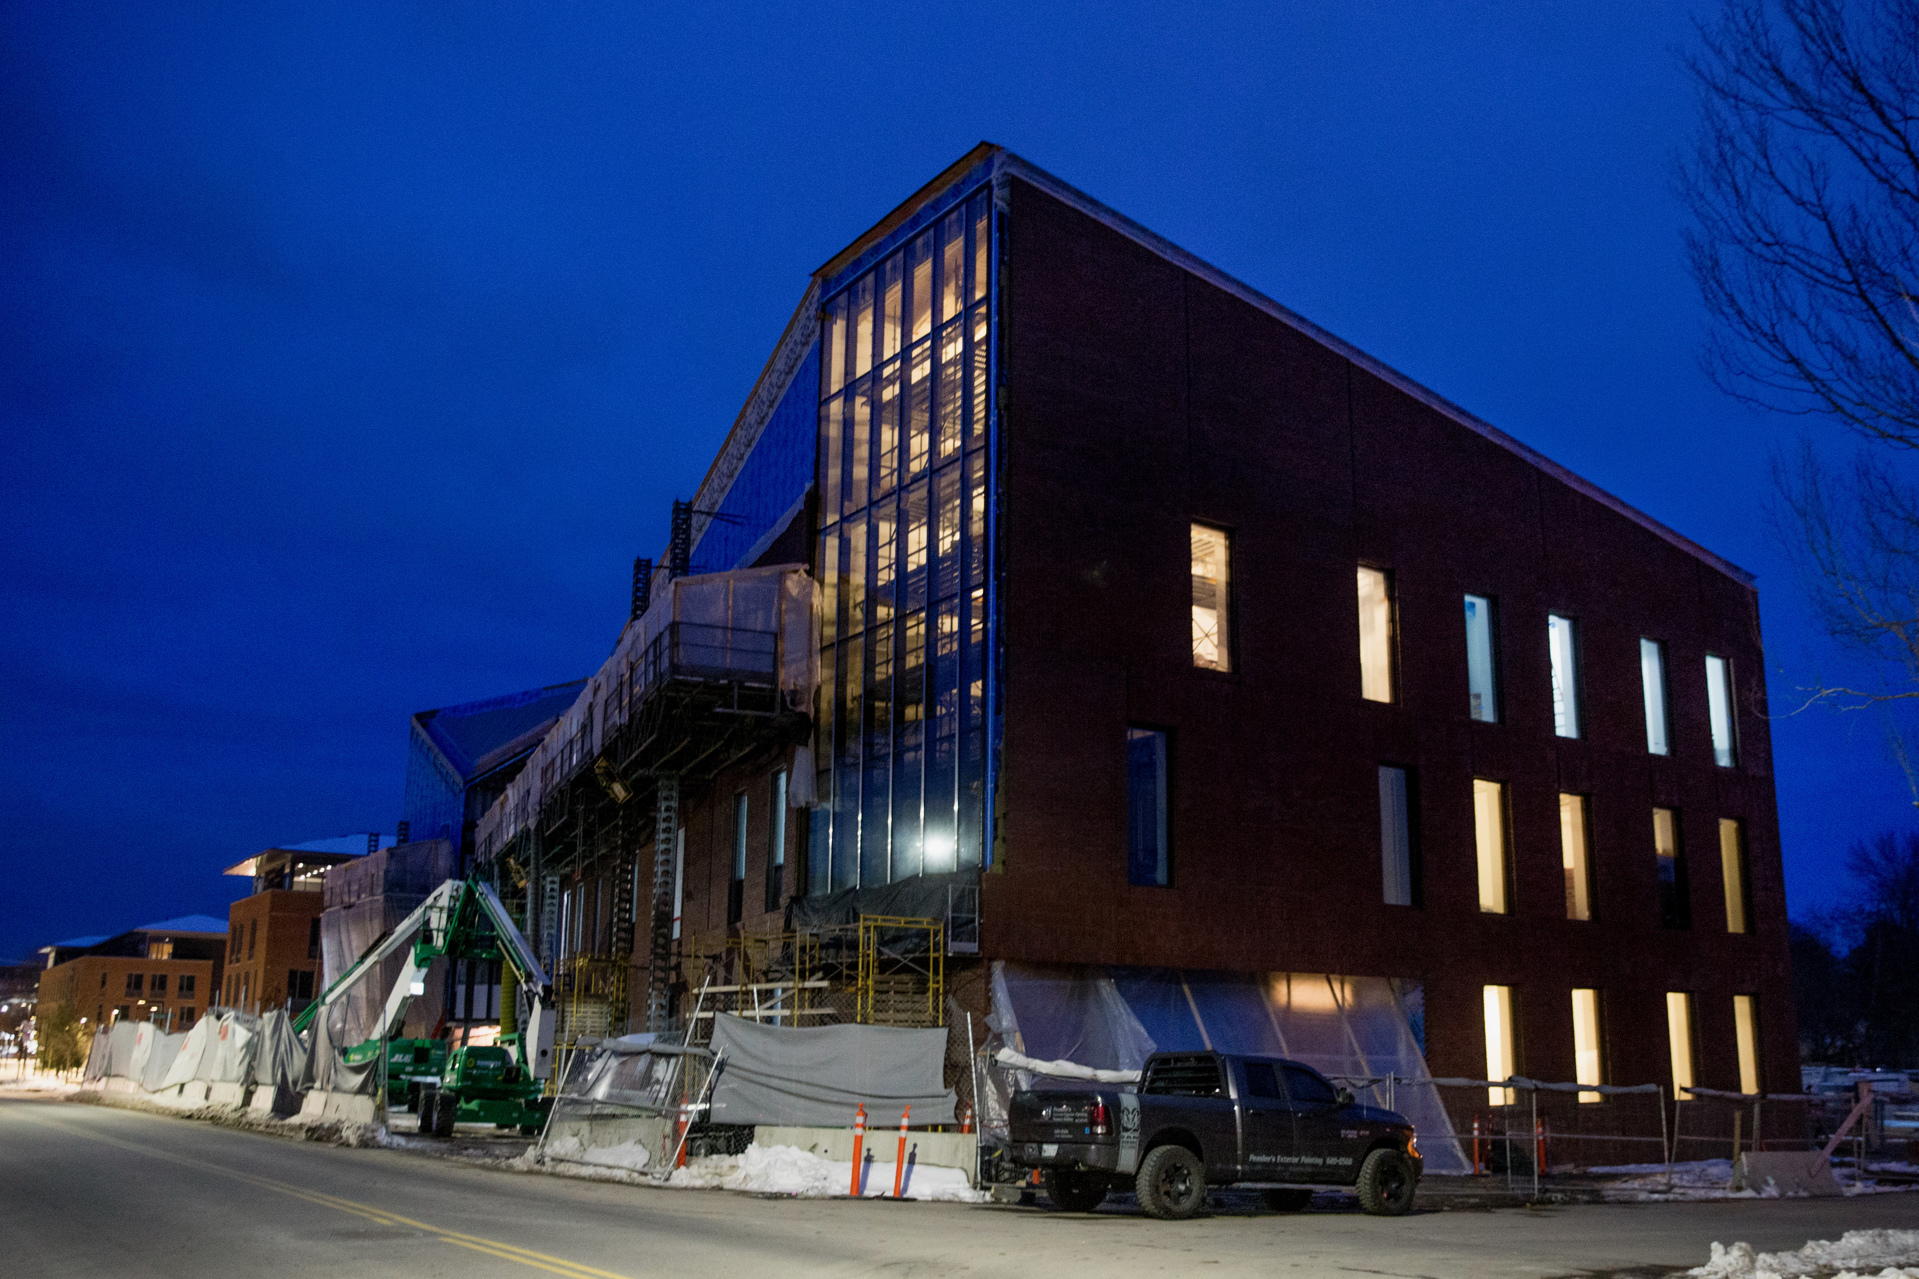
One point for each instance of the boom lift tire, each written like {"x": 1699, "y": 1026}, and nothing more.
{"x": 423, "y": 1105}
{"x": 1074, "y": 1191}
{"x": 446, "y": 1109}
{"x": 1171, "y": 1183}
{"x": 1386, "y": 1184}
{"x": 1287, "y": 1200}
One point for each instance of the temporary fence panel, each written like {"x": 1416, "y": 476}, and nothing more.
{"x": 1349, "y": 1028}
{"x": 279, "y": 1057}
{"x": 160, "y": 1059}
{"x": 817, "y": 1076}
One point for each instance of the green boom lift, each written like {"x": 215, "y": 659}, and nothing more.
{"x": 503, "y": 1083}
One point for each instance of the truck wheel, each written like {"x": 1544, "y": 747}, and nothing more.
{"x": 1171, "y": 1183}
{"x": 446, "y": 1109}
{"x": 1386, "y": 1184}
{"x": 1074, "y": 1191}
{"x": 1287, "y": 1200}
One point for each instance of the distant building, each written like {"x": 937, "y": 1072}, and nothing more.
{"x": 460, "y": 758}
{"x": 273, "y": 936}
{"x": 164, "y": 972}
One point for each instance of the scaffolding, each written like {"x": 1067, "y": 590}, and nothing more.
{"x": 883, "y": 970}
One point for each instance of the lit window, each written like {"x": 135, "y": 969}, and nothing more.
{"x": 1745, "y": 1023}
{"x": 1675, "y": 910}
{"x": 1588, "y": 1066}
{"x": 1489, "y": 836}
{"x": 1719, "y": 706}
{"x": 1564, "y": 649}
{"x": 1482, "y": 690}
{"x": 1395, "y": 837}
{"x": 1501, "y": 1058}
{"x": 1147, "y": 854}
{"x": 1211, "y": 587}
{"x": 1375, "y": 636}
{"x": 1652, "y": 679}
{"x": 1732, "y": 869}
{"x": 1679, "y": 1039}
{"x": 1572, "y": 848}
{"x": 776, "y": 840}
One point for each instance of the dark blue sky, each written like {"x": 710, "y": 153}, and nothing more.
{"x": 349, "y": 354}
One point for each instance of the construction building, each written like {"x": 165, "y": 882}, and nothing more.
{"x": 165, "y": 972}
{"x": 1178, "y": 675}
{"x": 273, "y": 936}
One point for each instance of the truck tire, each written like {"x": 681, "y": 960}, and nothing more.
{"x": 1386, "y": 1184}
{"x": 446, "y": 1110}
{"x": 1074, "y": 1191}
{"x": 1287, "y": 1200}
{"x": 1171, "y": 1184}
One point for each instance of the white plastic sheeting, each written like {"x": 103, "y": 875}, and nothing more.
{"x": 1352, "y": 1028}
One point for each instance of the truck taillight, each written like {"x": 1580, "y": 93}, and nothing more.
{"x": 1098, "y": 1119}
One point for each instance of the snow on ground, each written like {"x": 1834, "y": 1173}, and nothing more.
{"x": 787, "y": 1170}
{"x": 1857, "y": 1254}
{"x": 631, "y": 1155}
{"x": 24, "y": 1077}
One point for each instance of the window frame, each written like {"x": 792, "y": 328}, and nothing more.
{"x": 1226, "y": 627}
{"x": 1391, "y": 639}
{"x": 1597, "y": 1048}
{"x": 1499, "y": 1010}
{"x": 1165, "y": 786}
{"x": 1735, "y": 873}
{"x": 1721, "y": 690}
{"x": 1570, "y": 680}
{"x": 1409, "y": 805}
{"x": 1655, "y": 650}
{"x": 1493, "y": 672}
{"x": 1504, "y": 829}
{"x": 1679, "y": 919}
{"x": 1583, "y": 872}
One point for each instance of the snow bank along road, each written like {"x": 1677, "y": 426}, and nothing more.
{"x": 92, "y": 1191}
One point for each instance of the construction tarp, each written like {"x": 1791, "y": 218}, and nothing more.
{"x": 326, "y": 1071}
{"x": 279, "y": 1055}
{"x": 160, "y": 1059}
{"x": 817, "y": 1076}
{"x": 1355, "y": 1029}
{"x": 186, "y": 1063}
{"x": 112, "y": 1052}
{"x": 918, "y": 897}
{"x": 634, "y": 1071}
{"x": 362, "y": 901}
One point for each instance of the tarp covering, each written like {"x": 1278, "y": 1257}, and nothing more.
{"x": 279, "y": 1055}
{"x": 816, "y": 1076}
{"x": 1352, "y": 1028}
{"x": 362, "y": 901}
{"x": 921, "y": 897}
{"x": 160, "y": 1059}
{"x": 325, "y": 1070}
{"x": 112, "y": 1053}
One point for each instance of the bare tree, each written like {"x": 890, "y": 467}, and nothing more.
{"x": 1804, "y": 183}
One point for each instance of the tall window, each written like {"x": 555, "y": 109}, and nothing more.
{"x": 1375, "y": 635}
{"x": 1489, "y": 838}
{"x": 1652, "y": 679}
{"x": 900, "y": 717}
{"x": 1732, "y": 869}
{"x": 1396, "y": 837}
{"x": 1725, "y": 743}
{"x": 1588, "y": 1063}
{"x": 776, "y": 841}
{"x": 1482, "y": 689}
{"x": 1745, "y": 1029}
{"x": 1502, "y": 1041}
{"x": 1679, "y": 1040}
{"x": 1148, "y": 850}
{"x": 1212, "y": 634}
{"x": 1573, "y": 854}
{"x": 1562, "y": 643}
{"x": 736, "y": 888}
{"x": 1675, "y": 901}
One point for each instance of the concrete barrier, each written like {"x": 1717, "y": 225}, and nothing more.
{"x": 352, "y": 1108}
{"x": 1785, "y": 1172}
{"x": 936, "y": 1149}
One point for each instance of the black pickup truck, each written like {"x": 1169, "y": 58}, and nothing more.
{"x": 1212, "y": 1119}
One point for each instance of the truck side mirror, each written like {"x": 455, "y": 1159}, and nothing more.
{"x": 1345, "y": 1096}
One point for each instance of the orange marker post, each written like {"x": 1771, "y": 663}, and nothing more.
{"x": 1539, "y": 1146}
{"x": 966, "y": 1120}
{"x": 1476, "y": 1164}
{"x": 859, "y": 1142}
{"x": 899, "y": 1163}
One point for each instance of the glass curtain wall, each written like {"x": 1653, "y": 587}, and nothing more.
{"x": 901, "y": 718}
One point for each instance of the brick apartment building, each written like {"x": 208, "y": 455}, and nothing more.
{"x": 272, "y": 938}
{"x": 1202, "y": 641}
{"x": 166, "y": 972}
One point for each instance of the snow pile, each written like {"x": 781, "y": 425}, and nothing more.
{"x": 1893, "y": 1254}
{"x": 29, "y": 1078}
{"x": 788, "y": 1170}
{"x": 631, "y": 1155}
{"x": 1691, "y": 1179}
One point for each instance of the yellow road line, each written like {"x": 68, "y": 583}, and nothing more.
{"x": 380, "y": 1216}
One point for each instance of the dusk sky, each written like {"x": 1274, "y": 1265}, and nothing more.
{"x": 349, "y": 354}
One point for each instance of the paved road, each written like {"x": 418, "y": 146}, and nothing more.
{"x": 92, "y": 1191}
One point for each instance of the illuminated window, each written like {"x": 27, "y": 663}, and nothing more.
{"x": 1482, "y": 690}
{"x": 1212, "y": 648}
{"x": 1719, "y": 706}
{"x": 775, "y": 840}
{"x": 1562, "y": 644}
{"x": 1732, "y": 870}
{"x": 1501, "y": 1041}
{"x": 1375, "y": 636}
{"x": 1652, "y": 681}
{"x": 1745, "y": 1023}
{"x": 1572, "y": 849}
{"x": 1395, "y": 837}
{"x": 1588, "y": 1064}
{"x": 1679, "y": 1039}
{"x": 1489, "y": 837}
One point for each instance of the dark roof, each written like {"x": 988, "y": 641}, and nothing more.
{"x": 479, "y": 736}
{"x": 76, "y": 943}
{"x": 186, "y": 924}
